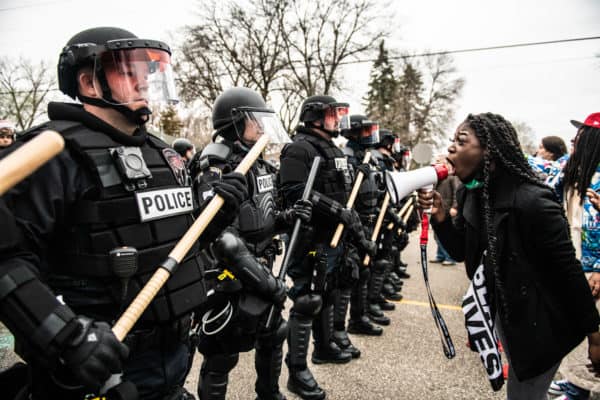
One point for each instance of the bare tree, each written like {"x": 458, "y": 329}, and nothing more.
{"x": 285, "y": 49}
{"x": 240, "y": 46}
{"x": 442, "y": 88}
{"x": 24, "y": 87}
{"x": 527, "y": 138}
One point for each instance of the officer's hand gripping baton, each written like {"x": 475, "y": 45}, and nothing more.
{"x": 145, "y": 296}
{"x": 402, "y": 211}
{"x": 296, "y": 231}
{"x": 384, "y": 206}
{"x": 26, "y": 159}
{"x": 357, "y": 182}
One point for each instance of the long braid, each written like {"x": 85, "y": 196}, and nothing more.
{"x": 499, "y": 138}
{"x": 583, "y": 162}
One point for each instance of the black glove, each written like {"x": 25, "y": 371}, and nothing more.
{"x": 347, "y": 216}
{"x": 233, "y": 189}
{"x": 367, "y": 246}
{"x": 398, "y": 223}
{"x": 301, "y": 209}
{"x": 364, "y": 168}
{"x": 94, "y": 354}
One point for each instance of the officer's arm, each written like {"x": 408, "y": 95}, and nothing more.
{"x": 27, "y": 306}
{"x": 231, "y": 251}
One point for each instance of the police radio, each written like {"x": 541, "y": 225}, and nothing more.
{"x": 124, "y": 264}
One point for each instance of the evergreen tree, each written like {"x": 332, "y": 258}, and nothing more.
{"x": 381, "y": 97}
{"x": 409, "y": 102}
{"x": 170, "y": 123}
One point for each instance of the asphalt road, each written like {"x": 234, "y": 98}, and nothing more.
{"x": 406, "y": 362}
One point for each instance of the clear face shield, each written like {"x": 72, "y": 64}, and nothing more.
{"x": 369, "y": 135}
{"x": 262, "y": 122}
{"x": 337, "y": 117}
{"x": 137, "y": 75}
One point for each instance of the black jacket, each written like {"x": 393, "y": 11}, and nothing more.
{"x": 550, "y": 308}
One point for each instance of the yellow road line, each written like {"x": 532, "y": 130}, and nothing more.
{"x": 424, "y": 304}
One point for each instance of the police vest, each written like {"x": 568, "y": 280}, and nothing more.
{"x": 334, "y": 178}
{"x": 368, "y": 193}
{"x": 139, "y": 199}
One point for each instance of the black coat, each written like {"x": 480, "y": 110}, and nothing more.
{"x": 550, "y": 306}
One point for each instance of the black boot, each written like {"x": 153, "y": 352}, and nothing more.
{"x": 214, "y": 375}
{"x": 376, "y": 315}
{"x": 340, "y": 336}
{"x": 375, "y": 285}
{"x": 267, "y": 362}
{"x": 301, "y": 381}
{"x": 385, "y": 305}
{"x": 390, "y": 294}
{"x": 325, "y": 349}
{"x": 363, "y": 326}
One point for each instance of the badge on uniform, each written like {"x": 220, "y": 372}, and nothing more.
{"x": 341, "y": 163}
{"x": 177, "y": 165}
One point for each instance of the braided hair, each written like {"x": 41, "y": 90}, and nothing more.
{"x": 583, "y": 162}
{"x": 499, "y": 138}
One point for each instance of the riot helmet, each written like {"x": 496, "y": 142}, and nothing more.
{"x": 128, "y": 73}
{"x": 182, "y": 146}
{"x": 362, "y": 131}
{"x": 241, "y": 114}
{"x": 325, "y": 110}
{"x": 386, "y": 140}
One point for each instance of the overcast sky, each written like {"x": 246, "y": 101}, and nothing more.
{"x": 544, "y": 86}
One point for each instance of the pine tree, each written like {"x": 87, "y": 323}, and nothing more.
{"x": 383, "y": 85}
{"x": 408, "y": 102}
{"x": 170, "y": 123}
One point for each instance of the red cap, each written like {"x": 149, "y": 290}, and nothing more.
{"x": 441, "y": 170}
{"x": 593, "y": 120}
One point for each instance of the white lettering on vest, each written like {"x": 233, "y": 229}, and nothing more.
{"x": 341, "y": 163}
{"x": 264, "y": 183}
{"x": 162, "y": 203}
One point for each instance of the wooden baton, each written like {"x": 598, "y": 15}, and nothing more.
{"x": 384, "y": 206}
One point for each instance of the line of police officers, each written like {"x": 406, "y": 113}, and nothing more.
{"x": 83, "y": 234}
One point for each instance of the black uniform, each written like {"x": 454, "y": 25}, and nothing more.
{"x": 259, "y": 220}
{"x": 314, "y": 255}
{"x": 106, "y": 190}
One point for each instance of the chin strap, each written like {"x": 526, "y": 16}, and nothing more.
{"x": 138, "y": 117}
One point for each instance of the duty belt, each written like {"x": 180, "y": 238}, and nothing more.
{"x": 165, "y": 337}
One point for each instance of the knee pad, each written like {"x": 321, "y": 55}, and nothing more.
{"x": 220, "y": 363}
{"x": 307, "y": 305}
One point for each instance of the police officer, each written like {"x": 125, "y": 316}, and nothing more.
{"x": 185, "y": 148}
{"x": 382, "y": 265}
{"x": 240, "y": 116}
{"x": 7, "y": 133}
{"x": 97, "y": 221}
{"x": 313, "y": 293}
{"x": 362, "y": 135}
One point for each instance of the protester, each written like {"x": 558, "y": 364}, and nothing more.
{"x": 578, "y": 183}
{"x": 7, "y": 133}
{"x": 511, "y": 232}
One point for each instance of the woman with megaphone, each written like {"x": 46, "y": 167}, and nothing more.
{"x": 527, "y": 287}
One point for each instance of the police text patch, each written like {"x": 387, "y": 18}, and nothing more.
{"x": 341, "y": 163}
{"x": 264, "y": 183}
{"x": 157, "y": 204}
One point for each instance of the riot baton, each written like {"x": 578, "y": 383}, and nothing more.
{"x": 168, "y": 267}
{"x": 384, "y": 206}
{"x": 401, "y": 212}
{"x": 295, "y": 232}
{"x": 26, "y": 159}
{"x": 357, "y": 182}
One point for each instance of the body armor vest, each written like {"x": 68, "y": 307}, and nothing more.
{"x": 110, "y": 216}
{"x": 256, "y": 221}
{"x": 334, "y": 178}
{"x": 368, "y": 193}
